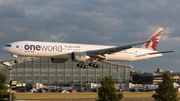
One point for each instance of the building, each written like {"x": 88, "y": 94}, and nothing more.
{"x": 153, "y": 78}
{"x": 41, "y": 70}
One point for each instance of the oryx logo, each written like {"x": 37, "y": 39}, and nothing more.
{"x": 57, "y": 48}
{"x": 154, "y": 40}
{"x": 120, "y": 86}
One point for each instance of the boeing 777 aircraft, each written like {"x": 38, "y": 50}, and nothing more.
{"x": 61, "y": 52}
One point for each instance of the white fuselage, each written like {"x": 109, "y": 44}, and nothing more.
{"x": 63, "y": 50}
{"x": 66, "y": 88}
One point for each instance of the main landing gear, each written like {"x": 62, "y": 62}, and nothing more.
{"x": 82, "y": 65}
{"x": 90, "y": 64}
{"x": 94, "y": 65}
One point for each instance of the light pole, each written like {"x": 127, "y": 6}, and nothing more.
{"x": 39, "y": 78}
{"x": 10, "y": 71}
{"x": 12, "y": 83}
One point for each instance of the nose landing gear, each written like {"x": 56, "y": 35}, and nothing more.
{"x": 15, "y": 61}
{"x": 15, "y": 58}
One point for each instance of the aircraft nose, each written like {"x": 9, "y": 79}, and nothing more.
{"x": 4, "y": 49}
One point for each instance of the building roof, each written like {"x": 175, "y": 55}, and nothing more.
{"x": 9, "y": 61}
{"x": 118, "y": 64}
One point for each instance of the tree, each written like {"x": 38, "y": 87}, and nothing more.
{"x": 4, "y": 88}
{"x": 107, "y": 92}
{"x": 166, "y": 90}
{"x": 13, "y": 97}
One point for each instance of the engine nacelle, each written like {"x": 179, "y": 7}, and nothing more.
{"x": 79, "y": 56}
{"x": 58, "y": 60}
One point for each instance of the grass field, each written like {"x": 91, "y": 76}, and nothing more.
{"x": 26, "y": 96}
{"x": 86, "y": 95}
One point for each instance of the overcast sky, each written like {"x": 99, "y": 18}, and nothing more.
{"x": 104, "y": 22}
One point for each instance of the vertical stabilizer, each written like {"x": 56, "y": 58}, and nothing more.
{"x": 120, "y": 86}
{"x": 73, "y": 85}
{"x": 153, "y": 40}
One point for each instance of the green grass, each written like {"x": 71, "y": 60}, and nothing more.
{"x": 86, "y": 95}
{"x": 138, "y": 94}
{"x": 32, "y": 96}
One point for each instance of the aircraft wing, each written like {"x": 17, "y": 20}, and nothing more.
{"x": 161, "y": 52}
{"x": 112, "y": 50}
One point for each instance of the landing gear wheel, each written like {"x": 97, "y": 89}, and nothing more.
{"x": 97, "y": 66}
{"x": 90, "y": 64}
{"x": 82, "y": 65}
{"x": 79, "y": 65}
{"x": 85, "y": 66}
{"x": 15, "y": 61}
{"x": 94, "y": 65}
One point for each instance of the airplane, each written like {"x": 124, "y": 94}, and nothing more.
{"x": 151, "y": 88}
{"x": 120, "y": 87}
{"x": 61, "y": 88}
{"x": 61, "y": 52}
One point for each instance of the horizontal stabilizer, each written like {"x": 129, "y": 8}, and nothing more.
{"x": 161, "y": 52}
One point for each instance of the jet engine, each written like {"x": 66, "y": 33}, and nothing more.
{"x": 58, "y": 60}
{"x": 79, "y": 56}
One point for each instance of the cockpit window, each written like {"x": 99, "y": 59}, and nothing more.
{"x": 8, "y": 45}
